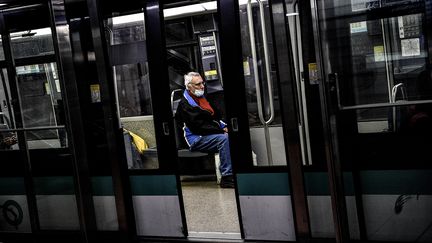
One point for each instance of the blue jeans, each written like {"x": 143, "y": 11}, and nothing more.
{"x": 216, "y": 143}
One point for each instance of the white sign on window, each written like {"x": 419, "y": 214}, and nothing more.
{"x": 358, "y": 27}
{"x": 410, "y": 47}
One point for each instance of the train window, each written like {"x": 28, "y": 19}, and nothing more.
{"x": 261, "y": 88}
{"x": 127, "y": 49}
{"x": 387, "y": 64}
{"x": 178, "y": 31}
{"x": 126, "y": 29}
{"x": 37, "y": 42}
{"x": 42, "y": 105}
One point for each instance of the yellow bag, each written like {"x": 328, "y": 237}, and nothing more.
{"x": 138, "y": 141}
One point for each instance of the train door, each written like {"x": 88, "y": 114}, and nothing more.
{"x": 130, "y": 55}
{"x": 375, "y": 63}
{"x": 191, "y": 33}
{"x": 263, "y": 120}
{"x": 259, "y": 104}
{"x": 38, "y": 195}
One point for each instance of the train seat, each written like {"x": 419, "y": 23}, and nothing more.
{"x": 190, "y": 163}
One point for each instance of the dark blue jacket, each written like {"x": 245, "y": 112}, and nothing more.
{"x": 196, "y": 121}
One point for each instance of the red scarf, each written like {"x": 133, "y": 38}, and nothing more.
{"x": 203, "y": 103}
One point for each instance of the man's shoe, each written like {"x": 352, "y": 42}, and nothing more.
{"x": 227, "y": 182}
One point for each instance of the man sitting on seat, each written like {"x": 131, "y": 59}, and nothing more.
{"x": 203, "y": 129}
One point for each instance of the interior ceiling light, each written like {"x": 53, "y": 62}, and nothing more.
{"x": 243, "y": 2}
{"x": 128, "y": 18}
{"x": 184, "y": 10}
{"x": 30, "y": 33}
{"x": 171, "y": 13}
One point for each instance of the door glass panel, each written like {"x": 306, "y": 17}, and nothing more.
{"x": 32, "y": 43}
{"x": 375, "y": 54}
{"x": 384, "y": 59}
{"x": 42, "y": 105}
{"x": 127, "y": 48}
{"x": 32, "y": 107}
{"x": 261, "y": 84}
{"x": 388, "y": 61}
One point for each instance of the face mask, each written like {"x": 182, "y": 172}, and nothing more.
{"x": 198, "y": 93}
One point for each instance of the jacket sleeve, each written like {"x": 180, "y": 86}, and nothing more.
{"x": 218, "y": 116}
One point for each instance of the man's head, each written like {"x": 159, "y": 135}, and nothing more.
{"x": 194, "y": 83}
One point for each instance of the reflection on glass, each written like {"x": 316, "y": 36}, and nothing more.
{"x": 387, "y": 52}
{"x": 8, "y": 139}
{"x": 58, "y": 140}
{"x": 2, "y": 57}
{"x": 389, "y": 65}
{"x": 133, "y": 90}
{"x": 126, "y": 29}
{"x": 41, "y": 103}
{"x": 383, "y": 59}
{"x": 125, "y": 35}
{"x": 32, "y": 43}
{"x": 380, "y": 52}
{"x": 261, "y": 88}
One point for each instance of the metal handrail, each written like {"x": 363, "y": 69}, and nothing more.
{"x": 257, "y": 84}
{"x": 254, "y": 60}
{"x": 394, "y": 91}
{"x": 267, "y": 62}
{"x": 218, "y": 59}
{"x": 172, "y": 98}
{"x": 33, "y": 129}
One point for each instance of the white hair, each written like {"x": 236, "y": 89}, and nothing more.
{"x": 188, "y": 78}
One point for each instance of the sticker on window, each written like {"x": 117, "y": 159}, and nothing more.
{"x": 379, "y": 53}
{"x": 95, "y": 93}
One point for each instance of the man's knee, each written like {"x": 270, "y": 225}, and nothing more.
{"x": 223, "y": 139}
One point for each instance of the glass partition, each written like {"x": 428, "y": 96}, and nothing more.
{"x": 262, "y": 93}
{"x": 42, "y": 105}
{"x": 377, "y": 71}
{"x": 127, "y": 48}
{"x": 37, "y": 42}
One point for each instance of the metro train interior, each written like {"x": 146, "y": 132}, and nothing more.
{"x": 328, "y": 105}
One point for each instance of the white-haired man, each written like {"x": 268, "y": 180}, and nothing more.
{"x": 203, "y": 128}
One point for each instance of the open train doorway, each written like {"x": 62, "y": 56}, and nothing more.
{"x": 192, "y": 46}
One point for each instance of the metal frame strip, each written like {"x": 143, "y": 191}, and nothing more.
{"x": 332, "y": 158}
{"x": 289, "y": 106}
{"x": 19, "y": 122}
{"x": 114, "y": 134}
{"x": 74, "y": 119}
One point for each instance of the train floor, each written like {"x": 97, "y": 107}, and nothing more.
{"x": 211, "y": 211}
